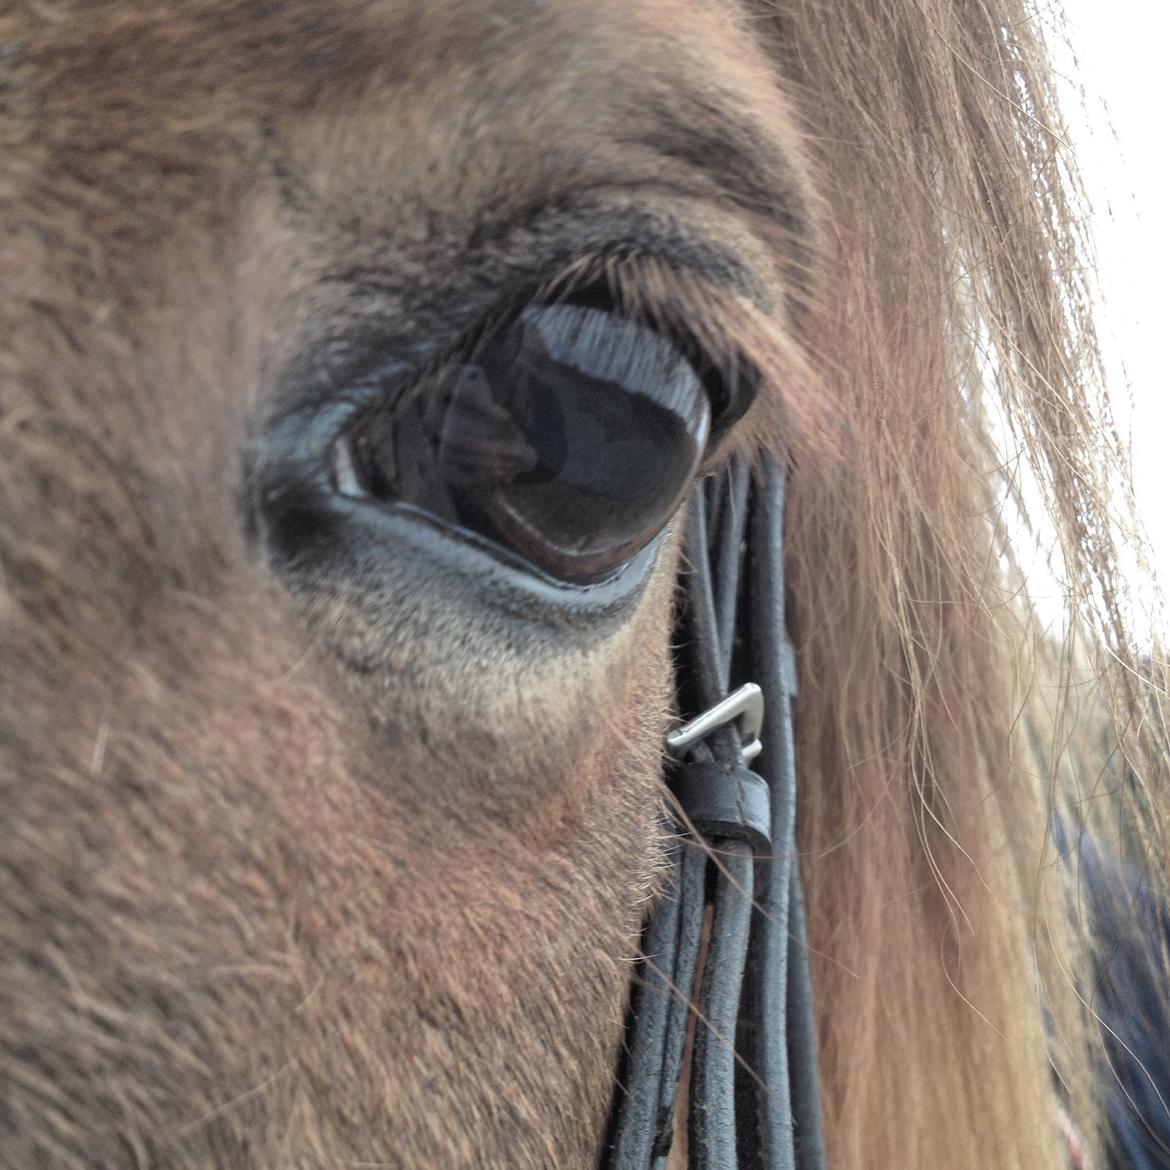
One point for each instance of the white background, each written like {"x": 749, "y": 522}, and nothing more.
{"x": 1116, "y": 76}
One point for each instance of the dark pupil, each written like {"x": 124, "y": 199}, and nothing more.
{"x": 569, "y": 438}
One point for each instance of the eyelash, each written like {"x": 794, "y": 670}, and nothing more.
{"x": 729, "y": 390}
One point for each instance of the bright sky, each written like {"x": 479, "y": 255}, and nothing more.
{"x": 1119, "y": 130}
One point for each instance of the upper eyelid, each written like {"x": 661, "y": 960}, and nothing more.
{"x": 358, "y": 352}
{"x": 729, "y": 400}
{"x": 575, "y": 233}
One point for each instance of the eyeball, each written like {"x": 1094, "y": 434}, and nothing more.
{"x": 567, "y": 438}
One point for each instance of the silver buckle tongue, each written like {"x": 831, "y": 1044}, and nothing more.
{"x": 745, "y": 704}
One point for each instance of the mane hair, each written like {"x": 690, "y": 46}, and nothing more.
{"x": 956, "y": 291}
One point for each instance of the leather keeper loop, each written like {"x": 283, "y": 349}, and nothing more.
{"x": 724, "y": 802}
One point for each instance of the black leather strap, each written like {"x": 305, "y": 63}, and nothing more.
{"x": 754, "y": 1099}
{"x": 718, "y": 801}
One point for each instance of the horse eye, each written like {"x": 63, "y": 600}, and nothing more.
{"x": 568, "y": 438}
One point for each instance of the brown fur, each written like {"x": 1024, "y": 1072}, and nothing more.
{"x": 262, "y": 908}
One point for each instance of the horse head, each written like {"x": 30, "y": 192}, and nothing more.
{"x": 359, "y": 360}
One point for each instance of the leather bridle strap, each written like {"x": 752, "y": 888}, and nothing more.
{"x": 753, "y": 1101}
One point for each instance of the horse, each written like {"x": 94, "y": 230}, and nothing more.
{"x": 332, "y": 743}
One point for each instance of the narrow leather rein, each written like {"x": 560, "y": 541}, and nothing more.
{"x": 753, "y": 1100}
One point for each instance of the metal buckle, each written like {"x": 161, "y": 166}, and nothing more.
{"x": 745, "y": 704}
